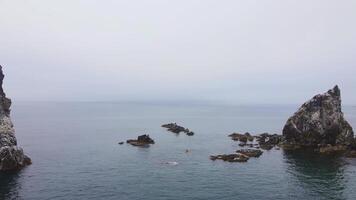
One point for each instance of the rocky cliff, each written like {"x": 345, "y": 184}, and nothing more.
{"x": 319, "y": 122}
{"x": 12, "y": 157}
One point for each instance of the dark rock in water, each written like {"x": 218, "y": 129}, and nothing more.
{"x": 250, "y": 152}
{"x": 190, "y": 133}
{"x": 269, "y": 139}
{"x": 142, "y": 141}
{"x": 319, "y": 122}
{"x": 121, "y": 143}
{"x": 174, "y": 128}
{"x": 231, "y": 157}
{"x": 351, "y": 154}
{"x": 244, "y": 138}
{"x": 327, "y": 149}
{"x": 12, "y": 157}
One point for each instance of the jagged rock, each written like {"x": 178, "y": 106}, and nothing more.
{"x": 250, "y": 152}
{"x": 12, "y": 157}
{"x": 231, "y": 157}
{"x": 142, "y": 141}
{"x": 319, "y": 121}
{"x": 174, "y": 128}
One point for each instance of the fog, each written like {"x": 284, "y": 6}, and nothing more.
{"x": 231, "y": 51}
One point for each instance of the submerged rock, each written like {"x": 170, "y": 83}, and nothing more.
{"x": 142, "y": 141}
{"x": 12, "y": 157}
{"x": 231, "y": 157}
{"x": 319, "y": 123}
{"x": 174, "y": 128}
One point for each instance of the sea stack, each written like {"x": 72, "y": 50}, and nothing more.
{"x": 320, "y": 123}
{"x": 12, "y": 157}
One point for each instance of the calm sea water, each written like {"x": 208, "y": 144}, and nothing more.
{"x": 76, "y": 156}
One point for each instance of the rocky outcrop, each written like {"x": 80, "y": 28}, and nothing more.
{"x": 174, "y": 128}
{"x": 264, "y": 141}
{"x": 267, "y": 141}
{"x": 142, "y": 141}
{"x": 244, "y": 138}
{"x": 250, "y": 152}
{"x": 319, "y": 123}
{"x": 231, "y": 157}
{"x": 12, "y": 157}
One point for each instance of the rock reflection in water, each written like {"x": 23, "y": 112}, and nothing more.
{"x": 319, "y": 176}
{"x": 9, "y": 185}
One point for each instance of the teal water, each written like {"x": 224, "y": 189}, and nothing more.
{"x": 76, "y": 156}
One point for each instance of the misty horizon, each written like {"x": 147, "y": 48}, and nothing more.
{"x": 235, "y": 52}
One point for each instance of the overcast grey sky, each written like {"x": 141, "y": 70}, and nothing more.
{"x": 236, "y": 51}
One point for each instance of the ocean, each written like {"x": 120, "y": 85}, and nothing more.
{"x": 75, "y": 153}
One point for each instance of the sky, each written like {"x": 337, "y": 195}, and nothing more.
{"x": 232, "y": 51}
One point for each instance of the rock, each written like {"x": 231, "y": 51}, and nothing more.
{"x": 351, "y": 154}
{"x": 319, "y": 121}
{"x": 142, "y": 141}
{"x": 266, "y": 139}
{"x": 174, "y": 128}
{"x": 231, "y": 158}
{"x": 250, "y": 152}
{"x": 121, "y": 143}
{"x": 190, "y": 133}
{"x": 327, "y": 149}
{"x": 12, "y": 157}
{"x": 242, "y": 137}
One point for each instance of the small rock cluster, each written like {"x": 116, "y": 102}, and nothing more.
{"x": 231, "y": 157}
{"x": 264, "y": 141}
{"x": 243, "y": 138}
{"x": 141, "y": 141}
{"x": 242, "y": 155}
{"x": 174, "y": 128}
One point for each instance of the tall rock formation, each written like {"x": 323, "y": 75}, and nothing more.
{"x": 319, "y": 122}
{"x": 12, "y": 157}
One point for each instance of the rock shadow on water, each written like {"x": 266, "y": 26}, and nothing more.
{"x": 9, "y": 185}
{"x": 321, "y": 176}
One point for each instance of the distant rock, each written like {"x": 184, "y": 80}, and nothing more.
{"x": 12, "y": 157}
{"x": 265, "y": 141}
{"x": 121, "y": 143}
{"x": 250, "y": 152}
{"x": 231, "y": 157}
{"x": 174, "y": 128}
{"x": 319, "y": 123}
{"x": 142, "y": 141}
{"x": 244, "y": 138}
